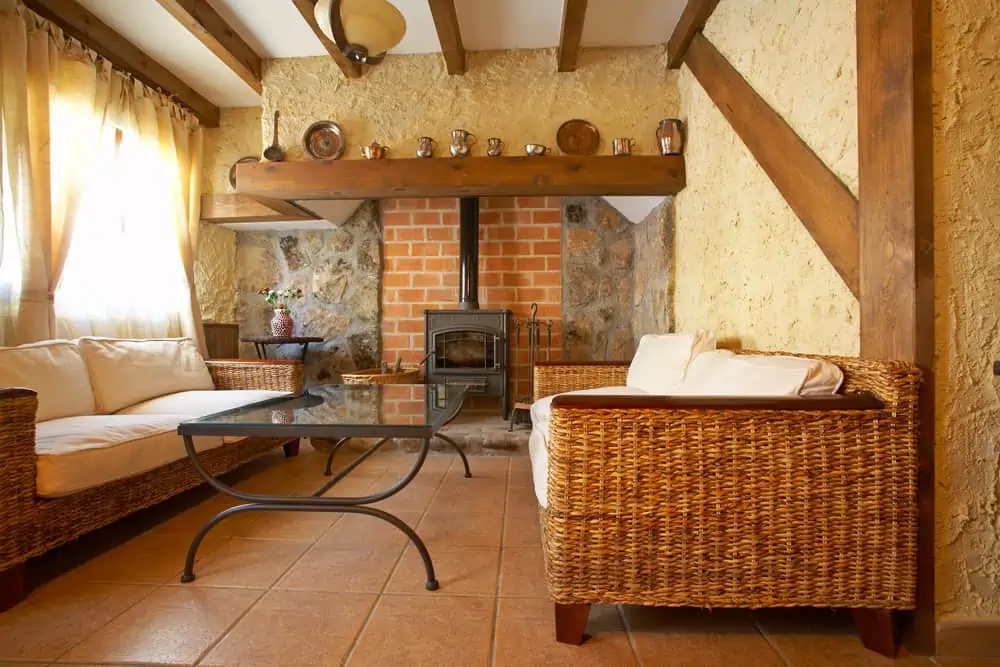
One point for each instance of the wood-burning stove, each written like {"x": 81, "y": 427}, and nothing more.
{"x": 468, "y": 345}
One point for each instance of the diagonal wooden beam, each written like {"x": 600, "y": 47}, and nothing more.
{"x": 449, "y": 34}
{"x": 218, "y": 36}
{"x": 821, "y": 201}
{"x": 351, "y": 70}
{"x": 692, "y": 21}
{"x": 84, "y": 26}
{"x": 572, "y": 29}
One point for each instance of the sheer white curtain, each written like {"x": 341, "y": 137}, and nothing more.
{"x": 99, "y": 192}
{"x": 125, "y": 274}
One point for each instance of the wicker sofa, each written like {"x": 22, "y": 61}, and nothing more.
{"x": 31, "y": 525}
{"x": 727, "y": 502}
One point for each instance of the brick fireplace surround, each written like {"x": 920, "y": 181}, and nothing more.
{"x": 520, "y": 263}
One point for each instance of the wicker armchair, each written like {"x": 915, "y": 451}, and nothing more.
{"x": 717, "y": 502}
{"x": 31, "y": 526}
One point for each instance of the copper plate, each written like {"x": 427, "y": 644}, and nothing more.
{"x": 578, "y": 137}
{"x": 243, "y": 160}
{"x": 324, "y": 140}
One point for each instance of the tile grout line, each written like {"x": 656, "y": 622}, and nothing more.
{"x": 774, "y": 647}
{"x": 153, "y": 589}
{"x": 228, "y": 630}
{"x": 378, "y": 598}
{"x": 218, "y": 640}
{"x": 628, "y": 635}
{"x": 496, "y": 592}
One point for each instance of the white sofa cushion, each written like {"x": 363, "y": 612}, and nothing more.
{"x": 194, "y": 404}
{"x": 661, "y": 361}
{"x": 723, "y": 373}
{"x": 200, "y": 403}
{"x": 538, "y": 441}
{"x": 126, "y": 372}
{"x": 55, "y": 370}
{"x": 77, "y": 453}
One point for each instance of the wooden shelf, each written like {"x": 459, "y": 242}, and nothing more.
{"x": 233, "y": 208}
{"x": 459, "y": 177}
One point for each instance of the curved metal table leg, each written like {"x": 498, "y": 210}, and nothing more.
{"x": 465, "y": 461}
{"x": 333, "y": 452}
{"x": 259, "y": 502}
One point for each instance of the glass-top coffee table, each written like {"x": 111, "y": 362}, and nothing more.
{"x": 336, "y": 412}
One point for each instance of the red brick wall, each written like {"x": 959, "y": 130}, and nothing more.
{"x": 519, "y": 264}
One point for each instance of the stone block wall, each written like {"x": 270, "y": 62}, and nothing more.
{"x": 340, "y": 272}
{"x": 598, "y": 246}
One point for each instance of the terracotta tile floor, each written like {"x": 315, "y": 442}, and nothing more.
{"x": 326, "y": 589}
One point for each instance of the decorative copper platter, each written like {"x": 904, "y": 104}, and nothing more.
{"x": 324, "y": 140}
{"x": 578, "y": 137}
{"x": 232, "y": 170}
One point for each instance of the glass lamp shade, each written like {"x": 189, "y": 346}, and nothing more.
{"x": 375, "y": 25}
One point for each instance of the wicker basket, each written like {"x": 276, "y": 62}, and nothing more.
{"x": 406, "y": 375}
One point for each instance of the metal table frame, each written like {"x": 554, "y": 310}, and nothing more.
{"x": 317, "y": 502}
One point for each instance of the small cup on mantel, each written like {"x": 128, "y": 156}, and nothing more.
{"x": 622, "y": 146}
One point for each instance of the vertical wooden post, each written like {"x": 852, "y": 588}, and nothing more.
{"x": 895, "y": 219}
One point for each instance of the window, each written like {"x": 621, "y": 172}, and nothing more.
{"x": 123, "y": 275}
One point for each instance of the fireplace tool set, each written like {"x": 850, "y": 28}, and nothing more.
{"x": 533, "y": 331}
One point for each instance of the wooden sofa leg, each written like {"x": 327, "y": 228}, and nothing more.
{"x": 291, "y": 449}
{"x": 877, "y": 629}
{"x": 571, "y": 622}
{"x": 12, "y": 586}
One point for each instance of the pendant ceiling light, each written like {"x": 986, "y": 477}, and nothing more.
{"x": 363, "y": 29}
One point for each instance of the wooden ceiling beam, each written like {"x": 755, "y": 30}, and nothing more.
{"x": 572, "y": 30}
{"x": 820, "y": 200}
{"x": 693, "y": 19}
{"x": 449, "y": 34}
{"x": 198, "y": 17}
{"x": 77, "y": 22}
{"x": 350, "y": 69}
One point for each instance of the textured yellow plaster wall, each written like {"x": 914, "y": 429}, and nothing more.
{"x": 238, "y": 134}
{"x": 515, "y": 95}
{"x": 966, "y": 87}
{"x": 745, "y": 265}
{"x": 215, "y": 273}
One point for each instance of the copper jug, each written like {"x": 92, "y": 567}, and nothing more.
{"x": 670, "y": 136}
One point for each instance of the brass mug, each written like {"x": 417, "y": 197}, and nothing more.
{"x": 621, "y": 146}
{"x": 425, "y": 146}
{"x": 494, "y": 147}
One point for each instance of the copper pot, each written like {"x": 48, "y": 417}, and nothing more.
{"x": 374, "y": 151}
{"x": 670, "y": 136}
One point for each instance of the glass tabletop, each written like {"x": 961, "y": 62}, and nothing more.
{"x": 361, "y": 410}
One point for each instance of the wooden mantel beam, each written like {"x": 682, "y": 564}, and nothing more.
{"x": 449, "y": 34}
{"x": 820, "y": 200}
{"x": 198, "y": 17}
{"x": 351, "y": 70}
{"x": 693, "y": 19}
{"x": 77, "y": 22}
{"x": 574, "y": 12}
{"x": 560, "y": 175}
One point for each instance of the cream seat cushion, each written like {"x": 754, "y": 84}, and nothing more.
{"x": 77, "y": 453}
{"x": 194, "y": 404}
{"x": 55, "y": 370}
{"x": 723, "y": 373}
{"x": 538, "y": 441}
{"x": 126, "y": 372}
{"x": 661, "y": 361}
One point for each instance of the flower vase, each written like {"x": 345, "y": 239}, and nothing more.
{"x": 281, "y": 323}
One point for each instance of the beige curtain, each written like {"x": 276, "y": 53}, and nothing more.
{"x": 76, "y": 136}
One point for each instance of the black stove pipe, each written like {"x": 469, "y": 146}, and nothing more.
{"x": 468, "y": 253}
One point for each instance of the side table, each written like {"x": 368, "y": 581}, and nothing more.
{"x": 260, "y": 343}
